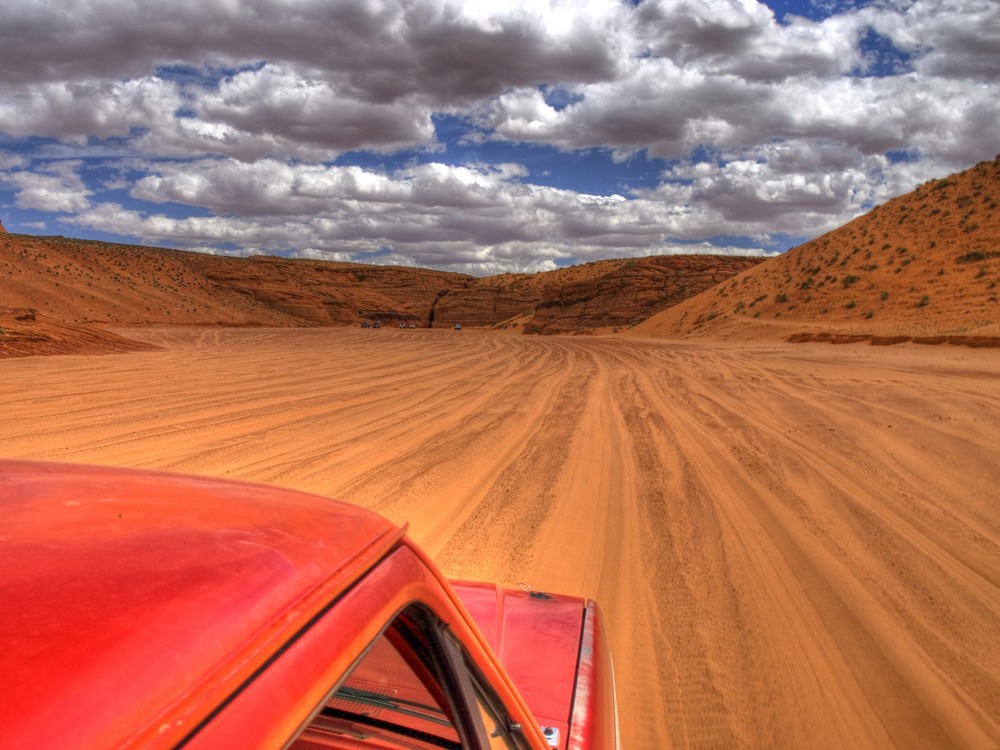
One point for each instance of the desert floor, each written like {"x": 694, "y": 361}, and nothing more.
{"x": 793, "y": 545}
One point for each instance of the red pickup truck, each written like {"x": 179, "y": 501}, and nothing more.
{"x": 143, "y": 609}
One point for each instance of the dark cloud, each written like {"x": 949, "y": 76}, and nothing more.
{"x": 745, "y": 40}
{"x": 957, "y": 39}
{"x": 380, "y": 52}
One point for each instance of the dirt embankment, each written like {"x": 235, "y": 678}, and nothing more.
{"x": 793, "y": 545}
{"x": 25, "y": 333}
{"x": 923, "y": 266}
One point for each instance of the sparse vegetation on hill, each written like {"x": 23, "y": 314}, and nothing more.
{"x": 922, "y": 266}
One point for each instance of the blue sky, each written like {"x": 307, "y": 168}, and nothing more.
{"x": 484, "y": 137}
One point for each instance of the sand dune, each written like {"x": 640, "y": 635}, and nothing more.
{"x": 794, "y": 545}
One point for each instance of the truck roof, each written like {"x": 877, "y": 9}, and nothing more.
{"x": 106, "y": 573}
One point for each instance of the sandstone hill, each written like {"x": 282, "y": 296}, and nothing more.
{"x": 600, "y": 295}
{"x": 55, "y": 286}
{"x": 924, "y": 266}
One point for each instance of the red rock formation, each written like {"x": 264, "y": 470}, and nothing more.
{"x": 23, "y": 333}
{"x": 483, "y": 304}
{"x": 631, "y": 291}
{"x": 85, "y": 283}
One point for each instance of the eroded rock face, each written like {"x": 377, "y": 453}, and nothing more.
{"x": 482, "y": 305}
{"x": 631, "y": 292}
{"x": 597, "y": 295}
{"x": 23, "y": 314}
{"x": 88, "y": 283}
{"x": 23, "y": 333}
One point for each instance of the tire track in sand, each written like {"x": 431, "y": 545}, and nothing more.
{"x": 794, "y": 546}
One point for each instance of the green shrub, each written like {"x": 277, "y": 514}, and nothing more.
{"x": 977, "y": 255}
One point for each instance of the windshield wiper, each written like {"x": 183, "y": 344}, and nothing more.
{"x": 400, "y": 706}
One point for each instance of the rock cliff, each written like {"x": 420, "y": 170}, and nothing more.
{"x": 629, "y": 292}
{"x": 84, "y": 283}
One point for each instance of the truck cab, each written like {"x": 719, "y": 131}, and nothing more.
{"x": 145, "y": 609}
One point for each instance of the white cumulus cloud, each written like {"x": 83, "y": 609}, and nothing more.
{"x": 509, "y": 135}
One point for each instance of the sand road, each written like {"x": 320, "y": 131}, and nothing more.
{"x": 794, "y": 545}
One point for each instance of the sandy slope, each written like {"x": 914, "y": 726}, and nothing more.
{"x": 925, "y": 264}
{"x": 794, "y": 545}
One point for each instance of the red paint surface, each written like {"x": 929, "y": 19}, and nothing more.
{"x": 139, "y": 608}
{"x": 131, "y": 599}
{"x": 537, "y": 641}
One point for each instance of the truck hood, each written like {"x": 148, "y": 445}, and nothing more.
{"x": 537, "y": 639}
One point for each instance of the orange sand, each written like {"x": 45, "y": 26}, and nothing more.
{"x": 795, "y": 545}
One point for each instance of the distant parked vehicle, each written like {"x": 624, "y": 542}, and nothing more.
{"x": 412, "y": 325}
{"x": 458, "y": 326}
{"x": 364, "y": 324}
{"x": 377, "y": 324}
